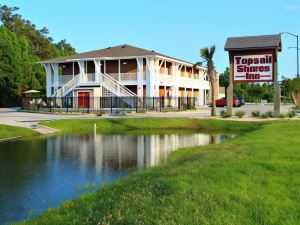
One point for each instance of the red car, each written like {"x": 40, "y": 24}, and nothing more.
{"x": 223, "y": 102}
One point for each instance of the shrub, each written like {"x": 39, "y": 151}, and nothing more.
{"x": 101, "y": 112}
{"x": 291, "y": 113}
{"x": 282, "y": 115}
{"x": 270, "y": 114}
{"x": 225, "y": 114}
{"x": 240, "y": 113}
{"x": 255, "y": 113}
{"x": 141, "y": 111}
{"x": 264, "y": 115}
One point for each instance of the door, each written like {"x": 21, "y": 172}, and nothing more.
{"x": 84, "y": 99}
{"x": 162, "y": 96}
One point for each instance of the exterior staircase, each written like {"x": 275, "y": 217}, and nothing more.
{"x": 67, "y": 87}
{"x": 106, "y": 81}
{"x": 115, "y": 86}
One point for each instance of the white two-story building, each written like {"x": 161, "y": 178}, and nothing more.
{"x": 124, "y": 71}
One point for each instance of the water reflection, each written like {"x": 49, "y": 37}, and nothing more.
{"x": 39, "y": 173}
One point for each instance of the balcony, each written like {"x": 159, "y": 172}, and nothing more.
{"x": 124, "y": 76}
{"x": 88, "y": 77}
{"x": 62, "y": 79}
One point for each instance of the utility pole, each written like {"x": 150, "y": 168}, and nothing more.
{"x": 297, "y": 49}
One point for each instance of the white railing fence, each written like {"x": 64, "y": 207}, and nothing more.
{"x": 124, "y": 76}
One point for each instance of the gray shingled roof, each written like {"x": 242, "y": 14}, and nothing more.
{"x": 117, "y": 51}
{"x": 253, "y": 43}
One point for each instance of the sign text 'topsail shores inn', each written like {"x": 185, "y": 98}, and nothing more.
{"x": 253, "y": 68}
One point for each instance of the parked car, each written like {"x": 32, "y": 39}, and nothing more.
{"x": 223, "y": 102}
{"x": 242, "y": 101}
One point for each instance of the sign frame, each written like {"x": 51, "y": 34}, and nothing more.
{"x": 232, "y": 54}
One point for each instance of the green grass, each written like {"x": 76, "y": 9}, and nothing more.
{"x": 252, "y": 179}
{"x": 148, "y": 124}
{"x": 12, "y": 131}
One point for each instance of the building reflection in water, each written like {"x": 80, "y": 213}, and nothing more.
{"x": 39, "y": 173}
{"x": 123, "y": 152}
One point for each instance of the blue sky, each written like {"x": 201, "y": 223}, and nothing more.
{"x": 178, "y": 28}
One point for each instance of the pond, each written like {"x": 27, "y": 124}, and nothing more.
{"x": 42, "y": 172}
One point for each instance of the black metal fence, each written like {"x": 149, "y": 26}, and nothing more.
{"x": 108, "y": 104}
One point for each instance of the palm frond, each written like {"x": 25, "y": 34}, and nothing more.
{"x": 204, "y": 53}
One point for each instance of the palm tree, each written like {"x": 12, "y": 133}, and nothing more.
{"x": 207, "y": 55}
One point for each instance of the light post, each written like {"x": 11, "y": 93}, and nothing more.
{"x": 297, "y": 48}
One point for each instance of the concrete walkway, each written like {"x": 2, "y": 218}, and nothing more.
{"x": 13, "y": 117}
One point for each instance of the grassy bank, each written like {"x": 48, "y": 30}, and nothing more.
{"x": 134, "y": 124}
{"x": 253, "y": 179}
{"x": 12, "y": 131}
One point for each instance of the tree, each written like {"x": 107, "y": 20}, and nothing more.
{"x": 207, "y": 55}
{"x": 292, "y": 89}
{"x": 224, "y": 78}
{"x": 10, "y": 67}
{"x": 22, "y": 45}
{"x": 39, "y": 40}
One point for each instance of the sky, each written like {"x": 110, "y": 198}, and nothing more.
{"x": 178, "y": 28}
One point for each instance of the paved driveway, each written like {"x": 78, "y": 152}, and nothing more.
{"x": 25, "y": 119}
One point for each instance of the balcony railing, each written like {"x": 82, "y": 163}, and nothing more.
{"x": 89, "y": 77}
{"x": 124, "y": 76}
{"x": 62, "y": 79}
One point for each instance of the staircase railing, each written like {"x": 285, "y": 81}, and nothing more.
{"x": 106, "y": 80}
{"x": 114, "y": 86}
{"x": 67, "y": 86}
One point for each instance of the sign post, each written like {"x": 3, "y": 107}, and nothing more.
{"x": 277, "y": 91}
{"x": 254, "y": 59}
{"x": 229, "y": 94}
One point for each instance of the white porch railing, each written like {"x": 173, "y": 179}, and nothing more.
{"x": 124, "y": 76}
{"x": 88, "y": 77}
{"x": 62, "y": 79}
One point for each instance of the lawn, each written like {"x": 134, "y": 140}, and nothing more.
{"x": 12, "y": 131}
{"x": 252, "y": 179}
{"x": 148, "y": 124}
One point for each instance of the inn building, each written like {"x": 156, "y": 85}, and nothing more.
{"x": 125, "y": 70}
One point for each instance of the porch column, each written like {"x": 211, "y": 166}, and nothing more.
{"x": 119, "y": 70}
{"x": 200, "y": 98}
{"x": 150, "y": 76}
{"x": 140, "y": 77}
{"x": 174, "y": 84}
{"x": 48, "y": 79}
{"x": 81, "y": 70}
{"x": 55, "y": 74}
{"x": 97, "y": 70}
{"x": 156, "y": 78}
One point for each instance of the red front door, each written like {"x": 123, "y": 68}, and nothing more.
{"x": 84, "y": 99}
